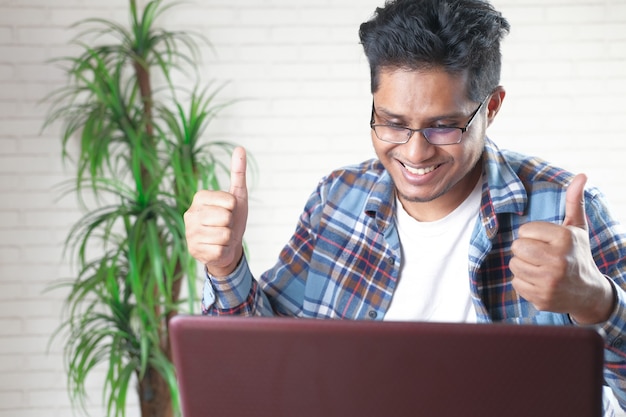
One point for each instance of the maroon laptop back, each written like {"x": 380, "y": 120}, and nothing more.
{"x": 270, "y": 367}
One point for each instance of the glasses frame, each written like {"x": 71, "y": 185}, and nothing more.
{"x": 424, "y": 131}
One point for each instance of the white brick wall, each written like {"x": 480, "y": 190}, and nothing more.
{"x": 303, "y": 83}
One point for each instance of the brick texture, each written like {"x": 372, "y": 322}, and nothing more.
{"x": 300, "y": 81}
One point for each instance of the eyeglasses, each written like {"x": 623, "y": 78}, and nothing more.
{"x": 433, "y": 135}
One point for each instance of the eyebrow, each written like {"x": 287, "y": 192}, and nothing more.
{"x": 389, "y": 114}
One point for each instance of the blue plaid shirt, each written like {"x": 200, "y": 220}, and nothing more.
{"x": 343, "y": 260}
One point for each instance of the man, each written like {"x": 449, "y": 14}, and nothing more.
{"x": 389, "y": 239}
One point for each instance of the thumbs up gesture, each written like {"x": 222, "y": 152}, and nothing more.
{"x": 553, "y": 267}
{"x": 216, "y": 220}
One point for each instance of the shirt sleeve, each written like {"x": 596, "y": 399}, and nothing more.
{"x": 235, "y": 294}
{"x": 608, "y": 245}
{"x": 615, "y": 349}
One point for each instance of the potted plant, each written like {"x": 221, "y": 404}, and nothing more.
{"x": 140, "y": 160}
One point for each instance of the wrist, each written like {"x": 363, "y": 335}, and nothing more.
{"x": 601, "y": 307}
{"x": 224, "y": 271}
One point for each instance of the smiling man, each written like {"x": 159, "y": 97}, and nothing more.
{"x": 443, "y": 225}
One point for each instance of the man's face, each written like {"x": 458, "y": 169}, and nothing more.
{"x": 431, "y": 181}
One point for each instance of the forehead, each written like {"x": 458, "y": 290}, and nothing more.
{"x": 421, "y": 89}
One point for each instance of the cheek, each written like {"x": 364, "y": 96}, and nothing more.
{"x": 472, "y": 150}
{"x": 381, "y": 148}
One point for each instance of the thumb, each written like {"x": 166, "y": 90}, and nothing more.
{"x": 238, "y": 186}
{"x": 575, "y": 203}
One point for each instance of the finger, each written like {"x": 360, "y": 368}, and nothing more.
{"x": 534, "y": 294}
{"x": 540, "y": 231}
{"x": 575, "y": 203}
{"x": 210, "y": 198}
{"x": 209, "y": 253}
{"x": 214, "y": 217}
{"x": 213, "y": 236}
{"x": 530, "y": 250}
{"x": 238, "y": 186}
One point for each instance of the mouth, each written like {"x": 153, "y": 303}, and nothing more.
{"x": 420, "y": 171}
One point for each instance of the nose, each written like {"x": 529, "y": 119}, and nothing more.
{"x": 418, "y": 148}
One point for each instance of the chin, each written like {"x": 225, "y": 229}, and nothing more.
{"x": 418, "y": 198}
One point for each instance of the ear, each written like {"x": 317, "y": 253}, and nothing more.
{"x": 495, "y": 103}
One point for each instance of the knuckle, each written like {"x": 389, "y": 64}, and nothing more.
{"x": 515, "y": 246}
{"x": 227, "y": 218}
{"x": 226, "y": 234}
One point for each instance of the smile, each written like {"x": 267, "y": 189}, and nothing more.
{"x": 420, "y": 171}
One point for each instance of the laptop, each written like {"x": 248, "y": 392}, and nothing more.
{"x": 285, "y": 367}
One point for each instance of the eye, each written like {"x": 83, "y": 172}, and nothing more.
{"x": 392, "y": 121}
{"x": 395, "y": 124}
{"x": 397, "y": 128}
{"x": 442, "y": 131}
{"x": 451, "y": 125}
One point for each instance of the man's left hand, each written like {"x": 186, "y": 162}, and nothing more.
{"x": 553, "y": 267}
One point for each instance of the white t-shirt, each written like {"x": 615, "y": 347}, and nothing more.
{"x": 434, "y": 275}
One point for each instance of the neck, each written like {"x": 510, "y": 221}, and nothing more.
{"x": 440, "y": 207}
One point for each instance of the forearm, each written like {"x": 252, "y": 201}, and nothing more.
{"x": 235, "y": 294}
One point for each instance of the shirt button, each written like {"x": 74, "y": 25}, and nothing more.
{"x": 372, "y": 314}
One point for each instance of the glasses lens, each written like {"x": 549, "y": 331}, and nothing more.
{"x": 443, "y": 135}
{"x": 391, "y": 134}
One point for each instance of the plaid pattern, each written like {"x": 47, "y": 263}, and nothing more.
{"x": 343, "y": 260}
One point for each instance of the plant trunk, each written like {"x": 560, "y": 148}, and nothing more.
{"x": 145, "y": 89}
{"x": 154, "y": 395}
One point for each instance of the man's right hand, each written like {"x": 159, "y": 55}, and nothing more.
{"x": 216, "y": 220}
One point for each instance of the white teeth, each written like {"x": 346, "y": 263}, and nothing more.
{"x": 420, "y": 171}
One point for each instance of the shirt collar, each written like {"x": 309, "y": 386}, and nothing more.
{"x": 502, "y": 185}
{"x": 381, "y": 201}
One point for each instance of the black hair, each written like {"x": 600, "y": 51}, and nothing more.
{"x": 455, "y": 35}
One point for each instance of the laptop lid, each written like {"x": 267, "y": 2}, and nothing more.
{"x": 279, "y": 367}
